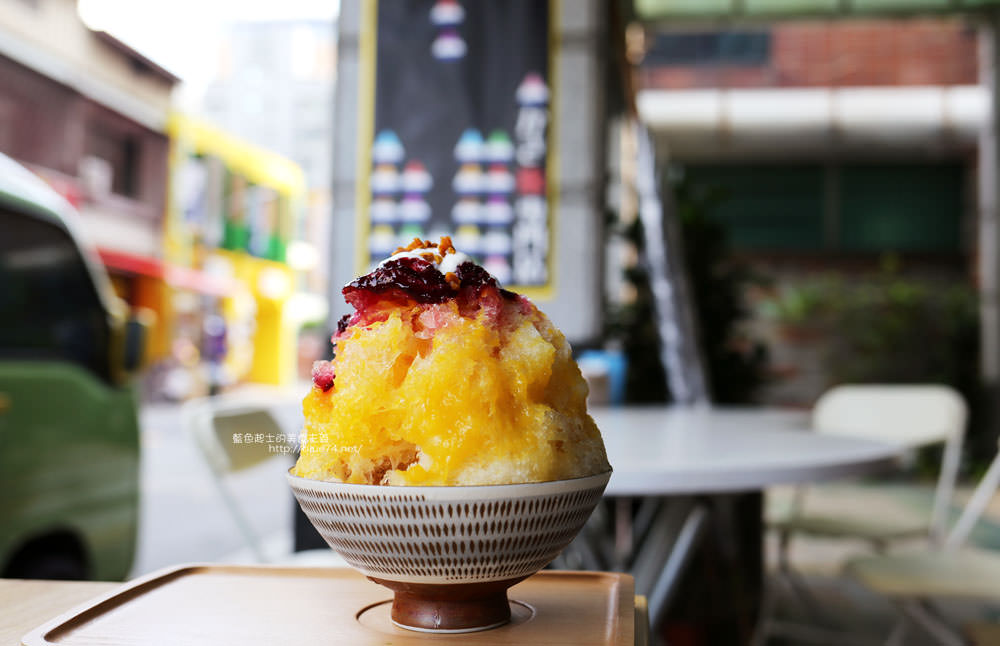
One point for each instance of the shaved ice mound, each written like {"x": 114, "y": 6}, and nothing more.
{"x": 443, "y": 378}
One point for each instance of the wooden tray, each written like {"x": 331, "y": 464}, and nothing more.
{"x": 248, "y": 605}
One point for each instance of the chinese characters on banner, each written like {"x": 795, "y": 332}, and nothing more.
{"x": 459, "y": 143}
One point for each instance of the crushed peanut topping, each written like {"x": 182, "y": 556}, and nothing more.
{"x": 452, "y": 280}
{"x": 441, "y": 248}
{"x": 415, "y": 244}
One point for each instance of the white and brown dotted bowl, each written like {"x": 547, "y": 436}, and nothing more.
{"x": 449, "y": 553}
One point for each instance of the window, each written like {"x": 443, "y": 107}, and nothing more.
{"x": 903, "y": 207}
{"x": 848, "y": 208}
{"x": 710, "y": 48}
{"x": 48, "y": 301}
{"x": 121, "y": 153}
{"x": 764, "y": 207}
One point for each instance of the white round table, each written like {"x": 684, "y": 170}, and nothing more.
{"x": 665, "y": 451}
{"x": 673, "y": 457}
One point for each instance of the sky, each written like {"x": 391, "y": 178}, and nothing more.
{"x": 182, "y": 35}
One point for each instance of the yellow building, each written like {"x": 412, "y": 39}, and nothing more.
{"x": 232, "y": 210}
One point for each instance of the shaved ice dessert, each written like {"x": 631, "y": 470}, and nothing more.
{"x": 441, "y": 377}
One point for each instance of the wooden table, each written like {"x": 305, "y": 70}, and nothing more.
{"x": 220, "y": 597}
{"x": 27, "y": 604}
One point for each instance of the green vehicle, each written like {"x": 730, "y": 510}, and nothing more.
{"x": 69, "y": 431}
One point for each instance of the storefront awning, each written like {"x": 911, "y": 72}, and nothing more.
{"x": 803, "y": 122}
{"x": 173, "y": 275}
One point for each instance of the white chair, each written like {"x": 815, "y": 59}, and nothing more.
{"x": 910, "y": 416}
{"x": 214, "y": 423}
{"x": 951, "y": 570}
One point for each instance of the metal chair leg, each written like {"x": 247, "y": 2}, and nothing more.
{"x": 666, "y": 583}
{"x": 897, "y": 635}
{"x": 767, "y": 605}
{"x": 659, "y": 563}
{"x": 805, "y": 598}
{"x": 822, "y": 629}
{"x": 923, "y": 614}
{"x": 769, "y": 601}
{"x": 783, "y": 573}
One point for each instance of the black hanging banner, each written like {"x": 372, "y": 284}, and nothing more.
{"x": 455, "y": 134}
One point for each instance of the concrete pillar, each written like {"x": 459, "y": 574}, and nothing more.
{"x": 344, "y": 166}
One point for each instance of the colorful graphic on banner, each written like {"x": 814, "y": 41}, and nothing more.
{"x": 460, "y": 140}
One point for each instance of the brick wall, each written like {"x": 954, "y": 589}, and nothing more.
{"x": 842, "y": 53}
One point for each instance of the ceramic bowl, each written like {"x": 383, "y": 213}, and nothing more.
{"x": 449, "y": 553}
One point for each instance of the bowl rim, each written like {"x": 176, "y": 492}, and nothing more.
{"x": 602, "y": 477}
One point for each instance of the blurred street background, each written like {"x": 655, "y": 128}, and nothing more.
{"x": 741, "y": 203}
{"x": 182, "y": 519}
